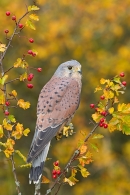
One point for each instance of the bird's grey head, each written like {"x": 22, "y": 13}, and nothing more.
{"x": 70, "y": 68}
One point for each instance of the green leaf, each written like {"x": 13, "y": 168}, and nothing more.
{"x": 97, "y": 136}
{"x": 33, "y": 8}
{"x": 3, "y": 79}
{"x": 30, "y": 24}
{"x": 12, "y": 119}
{"x": 126, "y": 129}
{"x": 117, "y": 79}
{"x": 93, "y": 146}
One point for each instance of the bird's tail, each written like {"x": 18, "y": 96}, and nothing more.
{"x": 37, "y": 166}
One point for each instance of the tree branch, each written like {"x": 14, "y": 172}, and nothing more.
{"x": 73, "y": 158}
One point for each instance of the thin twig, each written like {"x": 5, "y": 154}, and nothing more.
{"x": 11, "y": 81}
{"x": 8, "y": 70}
{"x": 15, "y": 175}
{"x": 73, "y": 157}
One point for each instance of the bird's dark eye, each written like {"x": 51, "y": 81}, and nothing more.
{"x": 69, "y": 67}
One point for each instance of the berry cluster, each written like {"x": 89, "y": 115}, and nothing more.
{"x": 56, "y": 171}
{"x": 105, "y": 113}
{"x": 122, "y": 74}
{"x": 102, "y": 123}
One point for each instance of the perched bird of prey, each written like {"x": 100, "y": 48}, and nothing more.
{"x": 57, "y": 103}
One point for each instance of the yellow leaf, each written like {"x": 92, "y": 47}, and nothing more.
{"x": 97, "y": 89}
{"x": 21, "y": 155}
{"x": 9, "y": 147}
{"x": 14, "y": 93}
{"x": 2, "y": 99}
{"x": 28, "y": 165}
{"x": 2, "y": 47}
{"x": 34, "y": 17}
{"x": 83, "y": 149}
{"x": 45, "y": 180}
{"x": 33, "y": 8}
{"x": 111, "y": 110}
{"x": 84, "y": 172}
{"x": 23, "y": 76}
{"x": 1, "y": 131}
{"x": 18, "y": 63}
{"x": 103, "y": 81}
{"x": 124, "y": 108}
{"x": 71, "y": 180}
{"x": 21, "y": 103}
{"x": 18, "y": 131}
{"x": 26, "y": 132}
{"x": 108, "y": 94}
{"x": 96, "y": 117}
{"x": 24, "y": 64}
{"x": 30, "y": 24}
{"x": 6, "y": 125}
{"x": 73, "y": 172}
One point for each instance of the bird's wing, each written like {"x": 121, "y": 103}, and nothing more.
{"x": 57, "y": 102}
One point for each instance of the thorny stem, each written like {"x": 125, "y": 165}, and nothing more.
{"x": 73, "y": 157}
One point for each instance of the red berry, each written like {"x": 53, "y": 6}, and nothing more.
{"x": 6, "y": 31}
{"x": 102, "y": 97}
{"x": 101, "y": 124}
{"x": 13, "y": 17}
{"x": 33, "y": 54}
{"x": 96, "y": 109}
{"x": 124, "y": 83}
{"x": 56, "y": 163}
{"x": 92, "y": 105}
{"x": 104, "y": 113}
{"x": 101, "y": 120}
{"x": 20, "y": 25}
{"x": 30, "y": 52}
{"x": 39, "y": 69}
{"x": 58, "y": 172}
{"x": 6, "y": 113}
{"x": 8, "y": 13}
{"x": 29, "y": 85}
{"x": 122, "y": 74}
{"x": 7, "y": 103}
{"x": 31, "y": 40}
{"x": 30, "y": 77}
{"x": 105, "y": 125}
{"x": 54, "y": 172}
{"x": 54, "y": 176}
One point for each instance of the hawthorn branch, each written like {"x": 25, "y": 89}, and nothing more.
{"x": 73, "y": 158}
{"x": 15, "y": 175}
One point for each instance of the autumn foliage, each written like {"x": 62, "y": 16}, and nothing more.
{"x": 94, "y": 159}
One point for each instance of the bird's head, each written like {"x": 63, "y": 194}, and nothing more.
{"x": 70, "y": 68}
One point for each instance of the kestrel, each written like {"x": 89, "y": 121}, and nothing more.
{"x": 57, "y": 103}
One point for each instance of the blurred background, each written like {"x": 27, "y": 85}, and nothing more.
{"x": 97, "y": 34}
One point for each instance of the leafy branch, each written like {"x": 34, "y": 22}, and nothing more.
{"x": 109, "y": 114}
{"x": 10, "y": 129}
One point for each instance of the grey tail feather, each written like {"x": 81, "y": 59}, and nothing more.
{"x": 37, "y": 166}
